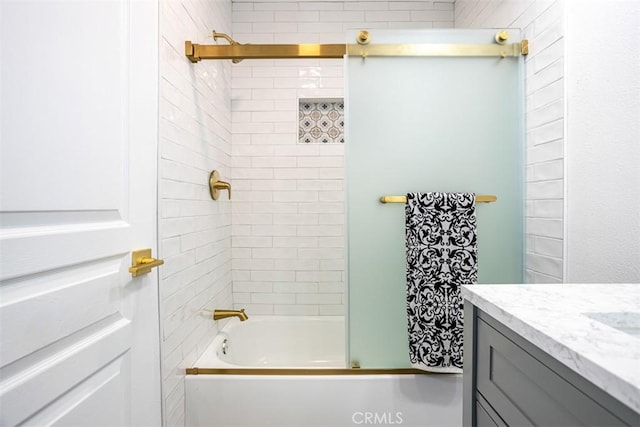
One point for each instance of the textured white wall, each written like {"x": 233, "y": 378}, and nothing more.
{"x": 542, "y": 24}
{"x": 194, "y": 231}
{"x": 603, "y": 153}
{"x": 288, "y": 213}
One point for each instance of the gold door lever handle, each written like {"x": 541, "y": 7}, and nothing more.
{"x": 142, "y": 262}
{"x": 215, "y": 185}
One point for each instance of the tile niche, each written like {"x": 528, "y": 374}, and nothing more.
{"x": 321, "y": 121}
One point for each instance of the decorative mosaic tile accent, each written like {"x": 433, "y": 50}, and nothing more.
{"x": 321, "y": 121}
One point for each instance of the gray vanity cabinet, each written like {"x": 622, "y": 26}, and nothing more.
{"x": 510, "y": 382}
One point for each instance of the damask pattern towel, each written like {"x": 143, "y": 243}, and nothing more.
{"x": 442, "y": 254}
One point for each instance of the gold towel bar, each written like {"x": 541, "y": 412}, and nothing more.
{"x": 403, "y": 199}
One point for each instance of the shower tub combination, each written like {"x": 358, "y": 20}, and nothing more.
{"x": 290, "y": 371}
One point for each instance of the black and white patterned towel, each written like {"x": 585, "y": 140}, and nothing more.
{"x": 442, "y": 254}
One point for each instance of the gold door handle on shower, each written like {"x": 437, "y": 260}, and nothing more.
{"x": 142, "y": 262}
{"x": 215, "y": 185}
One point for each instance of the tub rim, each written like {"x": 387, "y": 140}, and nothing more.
{"x": 310, "y": 371}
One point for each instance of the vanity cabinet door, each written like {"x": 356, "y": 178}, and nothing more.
{"x": 483, "y": 419}
{"x": 524, "y": 391}
{"x": 485, "y": 415}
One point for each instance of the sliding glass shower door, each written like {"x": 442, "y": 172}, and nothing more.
{"x": 419, "y": 124}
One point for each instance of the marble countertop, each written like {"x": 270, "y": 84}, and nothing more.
{"x": 561, "y": 320}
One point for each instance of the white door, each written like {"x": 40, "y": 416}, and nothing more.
{"x": 79, "y": 338}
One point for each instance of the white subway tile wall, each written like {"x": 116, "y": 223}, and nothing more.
{"x": 288, "y": 209}
{"x": 194, "y": 231}
{"x": 542, "y": 24}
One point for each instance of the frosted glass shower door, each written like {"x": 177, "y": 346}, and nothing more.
{"x": 419, "y": 124}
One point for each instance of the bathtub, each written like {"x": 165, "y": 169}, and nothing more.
{"x": 278, "y": 341}
{"x": 289, "y": 371}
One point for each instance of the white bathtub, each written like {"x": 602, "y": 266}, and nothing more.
{"x": 278, "y": 341}
{"x": 289, "y": 372}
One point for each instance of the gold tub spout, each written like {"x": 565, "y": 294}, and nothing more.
{"x": 223, "y": 314}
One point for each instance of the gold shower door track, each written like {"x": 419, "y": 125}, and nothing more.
{"x": 237, "y": 52}
{"x": 306, "y": 371}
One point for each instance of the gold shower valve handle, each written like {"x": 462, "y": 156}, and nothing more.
{"x": 215, "y": 185}
{"x": 142, "y": 262}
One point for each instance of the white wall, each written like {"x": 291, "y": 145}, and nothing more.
{"x": 603, "y": 152}
{"x": 542, "y": 24}
{"x": 194, "y": 231}
{"x": 288, "y": 213}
